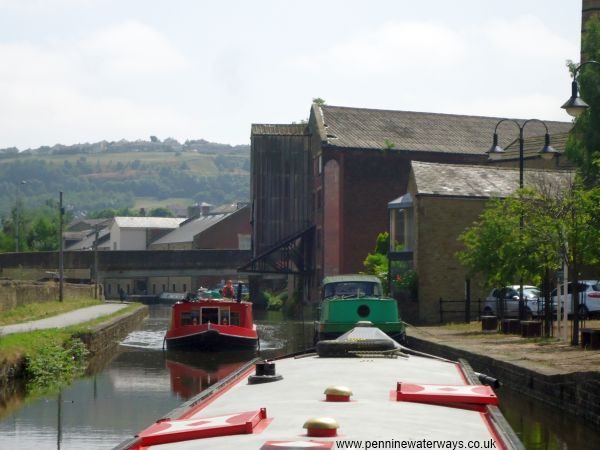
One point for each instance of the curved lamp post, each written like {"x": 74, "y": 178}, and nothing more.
{"x": 495, "y": 153}
{"x": 575, "y": 106}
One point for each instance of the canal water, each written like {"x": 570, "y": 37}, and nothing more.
{"x": 140, "y": 383}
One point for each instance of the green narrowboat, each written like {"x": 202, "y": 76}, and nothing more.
{"x": 348, "y": 299}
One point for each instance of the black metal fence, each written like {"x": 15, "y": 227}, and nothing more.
{"x": 459, "y": 310}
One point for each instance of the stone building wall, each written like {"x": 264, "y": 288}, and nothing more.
{"x": 440, "y": 220}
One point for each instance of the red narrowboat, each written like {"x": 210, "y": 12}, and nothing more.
{"x": 211, "y": 324}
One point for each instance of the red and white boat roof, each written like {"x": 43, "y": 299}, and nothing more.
{"x": 272, "y": 415}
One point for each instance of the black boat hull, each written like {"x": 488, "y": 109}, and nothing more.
{"x": 211, "y": 340}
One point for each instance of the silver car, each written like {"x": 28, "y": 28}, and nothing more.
{"x": 504, "y": 302}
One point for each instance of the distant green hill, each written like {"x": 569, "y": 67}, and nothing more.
{"x": 125, "y": 174}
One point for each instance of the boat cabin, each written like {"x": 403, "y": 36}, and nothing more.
{"x": 216, "y": 312}
{"x": 348, "y": 286}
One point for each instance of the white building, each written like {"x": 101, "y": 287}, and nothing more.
{"x": 137, "y": 233}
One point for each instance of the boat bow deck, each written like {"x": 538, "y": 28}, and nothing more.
{"x": 373, "y": 413}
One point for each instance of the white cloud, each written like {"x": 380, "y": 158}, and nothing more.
{"x": 87, "y": 70}
{"x": 42, "y": 6}
{"x": 131, "y": 49}
{"x": 37, "y": 115}
{"x": 525, "y": 37}
{"x": 394, "y": 46}
{"x": 60, "y": 92}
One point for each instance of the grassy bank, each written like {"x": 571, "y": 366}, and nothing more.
{"x": 42, "y": 310}
{"x": 51, "y": 357}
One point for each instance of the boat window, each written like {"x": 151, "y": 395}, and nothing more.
{"x": 190, "y": 317}
{"x": 210, "y": 315}
{"x": 234, "y": 318}
{"x": 225, "y": 318}
{"x": 352, "y": 289}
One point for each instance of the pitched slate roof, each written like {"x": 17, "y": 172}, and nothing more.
{"x": 455, "y": 180}
{"x": 148, "y": 222}
{"x": 187, "y": 231}
{"x": 533, "y": 145}
{"x": 363, "y": 128}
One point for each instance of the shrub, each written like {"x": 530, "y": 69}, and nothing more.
{"x": 54, "y": 364}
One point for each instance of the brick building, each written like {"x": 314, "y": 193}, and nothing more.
{"x": 320, "y": 190}
{"x": 442, "y": 200}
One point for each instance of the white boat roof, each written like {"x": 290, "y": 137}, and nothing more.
{"x": 373, "y": 413}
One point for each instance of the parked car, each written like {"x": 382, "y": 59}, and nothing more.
{"x": 589, "y": 298}
{"x": 504, "y": 302}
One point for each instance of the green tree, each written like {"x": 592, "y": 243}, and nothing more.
{"x": 583, "y": 148}
{"x": 559, "y": 222}
{"x": 43, "y": 235}
{"x": 160, "y": 211}
{"x": 376, "y": 263}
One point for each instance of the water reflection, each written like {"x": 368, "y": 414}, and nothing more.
{"x": 541, "y": 427}
{"x": 191, "y": 373}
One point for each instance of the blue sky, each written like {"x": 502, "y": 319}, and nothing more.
{"x": 86, "y": 70}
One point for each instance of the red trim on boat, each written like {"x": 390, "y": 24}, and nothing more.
{"x": 485, "y": 416}
{"x": 296, "y": 445}
{"x": 167, "y": 431}
{"x": 446, "y": 393}
{"x": 207, "y": 401}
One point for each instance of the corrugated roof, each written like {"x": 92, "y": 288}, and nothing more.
{"x": 455, "y": 180}
{"x": 533, "y": 145}
{"x": 418, "y": 131}
{"x": 88, "y": 242}
{"x": 148, "y": 222}
{"x": 187, "y": 231}
{"x": 279, "y": 129}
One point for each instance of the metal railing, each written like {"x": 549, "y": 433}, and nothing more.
{"x": 459, "y": 310}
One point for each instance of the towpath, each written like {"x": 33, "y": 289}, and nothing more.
{"x": 546, "y": 356}
{"x": 64, "y": 320}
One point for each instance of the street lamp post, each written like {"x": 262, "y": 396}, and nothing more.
{"x": 575, "y": 106}
{"x": 17, "y": 219}
{"x": 495, "y": 153}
